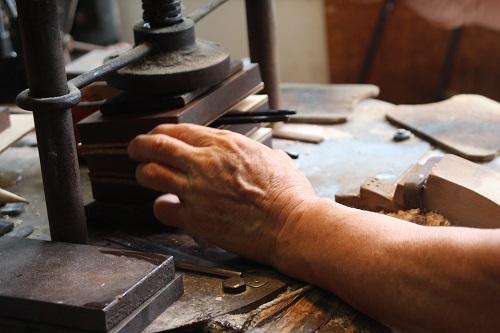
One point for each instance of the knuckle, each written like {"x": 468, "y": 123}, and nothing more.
{"x": 160, "y": 144}
{"x": 146, "y": 173}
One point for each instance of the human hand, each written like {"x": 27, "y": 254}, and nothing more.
{"x": 222, "y": 186}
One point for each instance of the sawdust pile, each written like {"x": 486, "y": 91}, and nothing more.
{"x": 415, "y": 216}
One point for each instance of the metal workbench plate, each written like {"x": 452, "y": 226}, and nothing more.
{"x": 76, "y": 286}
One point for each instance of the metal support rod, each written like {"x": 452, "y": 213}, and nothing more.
{"x": 112, "y": 65}
{"x": 263, "y": 45}
{"x": 206, "y": 9}
{"x": 43, "y": 53}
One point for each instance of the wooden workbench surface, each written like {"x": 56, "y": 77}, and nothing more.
{"x": 351, "y": 153}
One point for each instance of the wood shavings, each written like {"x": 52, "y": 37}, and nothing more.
{"x": 415, "y": 216}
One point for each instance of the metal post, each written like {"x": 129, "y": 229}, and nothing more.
{"x": 43, "y": 53}
{"x": 263, "y": 45}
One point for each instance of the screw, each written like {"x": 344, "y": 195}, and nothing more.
{"x": 401, "y": 135}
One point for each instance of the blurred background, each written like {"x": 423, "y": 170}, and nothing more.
{"x": 320, "y": 41}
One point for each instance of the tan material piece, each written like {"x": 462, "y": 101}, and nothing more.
{"x": 325, "y": 103}
{"x": 7, "y": 197}
{"x": 466, "y": 125}
{"x": 466, "y": 193}
{"x": 375, "y": 195}
{"x": 322, "y": 104}
{"x": 399, "y": 192}
{"x": 21, "y": 124}
{"x": 286, "y": 134}
{"x": 408, "y": 193}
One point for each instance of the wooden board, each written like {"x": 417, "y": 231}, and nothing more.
{"x": 464, "y": 192}
{"x": 98, "y": 128}
{"x": 21, "y": 124}
{"x": 324, "y": 103}
{"x": 466, "y": 125}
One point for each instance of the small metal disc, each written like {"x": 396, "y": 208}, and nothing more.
{"x": 402, "y": 135}
{"x": 234, "y": 285}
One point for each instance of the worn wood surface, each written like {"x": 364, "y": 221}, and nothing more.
{"x": 351, "y": 153}
{"x": 306, "y": 309}
{"x": 324, "y": 103}
{"x": 466, "y": 125}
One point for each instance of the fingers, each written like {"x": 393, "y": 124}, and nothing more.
{"x": 161, "y": 178}
{"x": 162, "y": 149}
{"x": 169, "y": 210}
{"x": 195, "y": 135}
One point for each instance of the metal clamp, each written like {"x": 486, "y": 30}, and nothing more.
{"x": 27, "y": 102}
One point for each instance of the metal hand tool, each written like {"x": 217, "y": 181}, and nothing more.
{"x": 184, "y": 261}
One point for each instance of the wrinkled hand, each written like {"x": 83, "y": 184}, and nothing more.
{"x": 222, "y": 186}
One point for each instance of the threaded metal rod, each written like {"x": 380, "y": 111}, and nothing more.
{"x": 161, "y": 13}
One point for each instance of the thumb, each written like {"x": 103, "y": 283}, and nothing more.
{"x": 169, "y": 210}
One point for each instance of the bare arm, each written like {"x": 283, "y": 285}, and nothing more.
{"x": 253, "y": 201}
{"x": 456, "y": 13}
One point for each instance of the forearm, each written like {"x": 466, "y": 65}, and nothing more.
{"x": 407, "y": 276}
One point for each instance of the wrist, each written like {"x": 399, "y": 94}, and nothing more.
{"x": 298, "y": 241}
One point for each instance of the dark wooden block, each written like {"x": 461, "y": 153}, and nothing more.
{"x": 125, "y": 102}
{"x": 121, "y": 190}
{"x": 98, "y": 128}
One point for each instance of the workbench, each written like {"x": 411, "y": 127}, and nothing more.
{"x": 351, "y": 153}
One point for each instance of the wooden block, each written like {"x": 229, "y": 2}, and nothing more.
{"x": 375, "y": 195}
{"x": 408, "y": 193}
{"x": 111, "y": 160}
{"x": 464, "y": 192}
{"x": 98, "y": 128}
{"x": 125, "y": 102}
{"x": 119, "y": 190}
{"x": 399, "y": 191}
